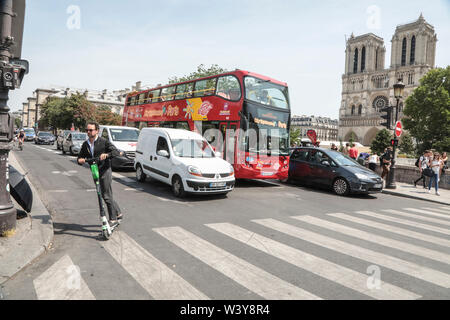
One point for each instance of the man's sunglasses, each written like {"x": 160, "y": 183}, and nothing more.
{"x": 90, "y": 130}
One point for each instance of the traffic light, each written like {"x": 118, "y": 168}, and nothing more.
{"x": 394, "y": 142}
{"x": 387, "y": 116}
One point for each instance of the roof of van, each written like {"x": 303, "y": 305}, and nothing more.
{"x": 174, "y": 133}
{"x": 118, "y": 127}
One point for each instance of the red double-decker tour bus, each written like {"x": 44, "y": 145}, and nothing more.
{"x": 243, "y": 115}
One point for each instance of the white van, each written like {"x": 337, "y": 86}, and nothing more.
{"x": 124, "y": 139}
{"x": 182, "y": 159}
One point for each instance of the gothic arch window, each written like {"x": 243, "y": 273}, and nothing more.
{"x": 363, "y": 59}
{"x": 353, "y": 110}
{"x": 355, "y": 61}
{"x": 404, "y": 52}
{"x": 360, "y": 110}
{"x": 412, "y": 57}
{"x": 380, "y": 102}
{"x": 376, "y": 59}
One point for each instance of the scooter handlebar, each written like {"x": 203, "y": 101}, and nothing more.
{"x": 97, "y": 159}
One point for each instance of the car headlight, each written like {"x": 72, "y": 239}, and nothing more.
{"x": 231, "y": 170}
{"x": 362, "y": 176}
{"x": 194, "y": 171}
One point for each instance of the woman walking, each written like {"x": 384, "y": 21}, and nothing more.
{"x": 436, "y": 165}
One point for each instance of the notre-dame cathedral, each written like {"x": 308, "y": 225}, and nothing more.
{"x": 367, "y": 86}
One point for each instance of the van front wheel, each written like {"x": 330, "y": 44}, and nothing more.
{"x": 177, "y": 187}
{"x": 140, "y": 175}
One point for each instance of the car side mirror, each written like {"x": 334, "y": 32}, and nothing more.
{"x": 162, "y": 153}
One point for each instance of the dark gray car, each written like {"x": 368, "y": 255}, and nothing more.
{"x": 332, "y": 169}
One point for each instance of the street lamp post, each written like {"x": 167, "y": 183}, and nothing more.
{"x": 398, "y": 93}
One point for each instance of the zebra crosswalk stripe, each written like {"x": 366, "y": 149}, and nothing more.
{"x": 62, "y": 281}
{"x": 249, "y": 276}
{"x": 380, "y": 240}
{"x": 321, "y": 267}
{"x": 416, "y": 216}
{"x": 430, "y": 213}
{"x": 446, "y": 212}
{"x": 382, "y": 226}
{"x": 161, "y": 282}
{"x": 396, "y": 264}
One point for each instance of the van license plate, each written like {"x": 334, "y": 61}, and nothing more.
{"x": 217, "y": 184}
{"x": 267, "y": 173}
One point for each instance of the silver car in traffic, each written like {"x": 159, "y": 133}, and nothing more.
{"x": 73, "y": 142}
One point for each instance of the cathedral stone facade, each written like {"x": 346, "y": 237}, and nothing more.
{"x": 367, "y": 86}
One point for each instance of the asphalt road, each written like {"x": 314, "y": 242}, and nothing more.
{"x": 265, "y": 240}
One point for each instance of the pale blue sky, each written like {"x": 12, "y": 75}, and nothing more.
{"x": 299, "y": 42}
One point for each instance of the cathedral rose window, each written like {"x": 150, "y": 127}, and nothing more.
{"x": 380, "y": 102}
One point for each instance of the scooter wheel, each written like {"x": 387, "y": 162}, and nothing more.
{"x": 106, "y": 235}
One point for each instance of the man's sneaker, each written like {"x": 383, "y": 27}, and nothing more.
{"x": 429, "y": 191}
{"x": 120, "y": 216}
{"x": 113, "y": 223}
{"x": 437, "y": 193}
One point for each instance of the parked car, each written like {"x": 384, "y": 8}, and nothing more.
{"x": 44, "y": 138}
{"x": 182, "y": 159}
{"x": 29, "y": 134}
{"x": 124, "y": 139}
{"x": 61, "y": 136}
{"x": 332, "y": 169}
{"x": 73, "y": 142}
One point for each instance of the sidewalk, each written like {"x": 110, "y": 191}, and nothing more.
{"x": 408, "y": 190}
{"x": 34, "y": 233}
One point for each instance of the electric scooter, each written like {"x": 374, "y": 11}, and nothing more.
{"x": 107, "y": 230}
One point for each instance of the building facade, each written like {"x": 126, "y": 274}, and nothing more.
{"x": 113, "y": 99}
{"x": 326, "y": 128}
{"x": 367, "y": 86}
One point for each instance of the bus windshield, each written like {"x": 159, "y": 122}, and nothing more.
{"x": 266, "y": 92}
{"x": 124, "y": 134}
{"x": 188, "y": 148}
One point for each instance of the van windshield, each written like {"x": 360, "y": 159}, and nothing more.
{"x": 124, "y": 134}
{"x": 187, "y": 148}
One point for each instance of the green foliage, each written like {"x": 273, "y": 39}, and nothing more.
{"x": 17, "y": 122}
{"x": 200, "y": 73}
{"x": 381, "y": 141}
{"x": 62, "y": 113}
{"x": 406, "y": 145}
{"x": 295, "y": 136}
{"x": 427, "y": 111}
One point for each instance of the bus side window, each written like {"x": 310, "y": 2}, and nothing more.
{"x": 155, "y": 94}
{"x": 189, "y": 89}
{"x": 228, "y": 88}
{"x": 200, "y": 87}
{"x": 181, "y": 91}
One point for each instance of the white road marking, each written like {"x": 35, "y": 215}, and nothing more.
{"x": 440, "y": 210}
{"x": 174, "y": 201}
{"x": 416, "y": 216}
{"x": 430, "y": 213}
{"x": 407, "y": 232}
{"x": 62, "y": 281}
{"x": 373, "y": 257}
{"x": 56, "y": 172}
{"x": 91, "y": 190}
{"x": 380, "y": 240}
{"x": 58, "y": 191}
{"x": 161, "y": 282}
{"x": 344, "y": 276}
{"x": 386, "y": 227}
{"x": 134, "y": 189}
{"x": 251, "y": 277}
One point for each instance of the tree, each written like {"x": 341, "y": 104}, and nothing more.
{"x": 381, "y": 141}
{"x": 406, "y": 144}
{"x": 18, "y": 122}
{"x": 427, "y": 111}
{"x": 295, "y": 136}
{"x": 200, "y": 73}
{"x": 105, "y": 116}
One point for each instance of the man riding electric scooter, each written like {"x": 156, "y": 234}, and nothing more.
{"x": 99, "y": 147}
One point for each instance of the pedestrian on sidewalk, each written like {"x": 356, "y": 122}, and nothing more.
{"x": 444, "y": 161}
{"x": 386, "y": 159}
{"x": 346, "y": 149}
{"x": 334, "y": 147}
{"x": 353, "y": 152}
{"x": 436, "y": 165}
{"x": 97, "y": 146}
{"x": 373, "y": 160}
{"x": 423, "y": 164}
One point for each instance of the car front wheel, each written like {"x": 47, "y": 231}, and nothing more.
{"x": 341, "y": 187}
{"x": 177, "y": 187}
{"x": 140, "y": 175}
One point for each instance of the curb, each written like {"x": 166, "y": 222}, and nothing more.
{"x": 413, "y": 197}
{"x": 21, "y": 250}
